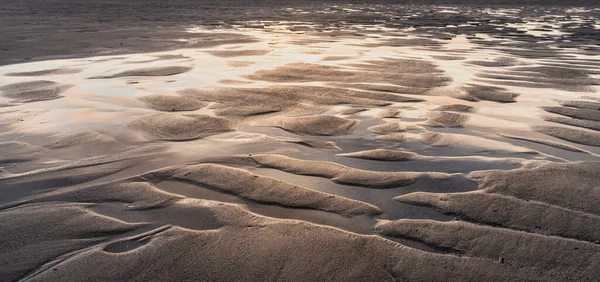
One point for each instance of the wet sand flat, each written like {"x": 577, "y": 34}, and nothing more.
{"x": 305, "y": 142}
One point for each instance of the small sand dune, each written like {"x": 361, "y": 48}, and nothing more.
{"x": 395, "y": 137}
{"x": 68, "y": 139}
{"x": 266, "y": 189}
{"x": 339, "y": 173}
{"x": 408, "y": 73}
{"x": 451, "y": 139}
{"x": 498, "y": 62}
{"x": 511, "y": 212}
{"x": 388, "y": 128}
{"x": 589, "y": 124}
{"x": 238, "y": 53}
{"x": 556, "y": 256}
{"x": 137, "y": 195}
{"x": 58, "y": 71}
{"x": 14, "y": 151}
{"x": 389, "y": 113}
{"x": 172, "y": 127}
{"x": 448, "y": 58}
{"x": 32, "y": 91}
{"x": 315, "y": 125}
{"x": 544, "y": 77}
{"x": 336, "y": 58}
{"x": 50, "y": 231}
{"x": 585, "y": 114}
{"x": 455, "y": 108}
{"x": 168, "y": 103}
{"x": 584, "y": 137}
{"x": 245, "y": 102}
{"x": 382, "y": 155}
{"x": 351, "y": 110}
{"x": 553, "y": 184}
{"x": 446, "y": 119}
{"x": 150, "y": 71}
{"x": 316, "y": 144}
{"x": 558, "y": 145}
{"x": 137, "y": 152}
{"x": 581, "y": 104}
{"x": 491, "y": 93}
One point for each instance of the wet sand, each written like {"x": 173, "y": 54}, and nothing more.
{"x": 408, "y": 143}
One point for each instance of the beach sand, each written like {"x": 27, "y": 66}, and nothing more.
{"x": 430, "y": 144}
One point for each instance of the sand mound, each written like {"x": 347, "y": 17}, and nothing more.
{"x": 590, "y": 124}
{"x": 316, "y": 144}
{"x": 382, "y": 155}
{"x": 581, "y": 104}
{"x": 45, "y": 72}
{"x": 585, "y": 114}
{"x": 62, "y": 140}
{"x": 315, "y": 125}
{"x": 389, "y": 113}
{"x": 408, "y": 73}
{"x": 449, "y": 58}
{"x": 172, "y": 103}
{"x": 31, "y": 91}
{"x": 351, "y": 111}
{"x": 74, "y": 178}
{"x": 450, "y": 139}
{"x": 150, "y": 71}
{"x": 384, "y": 89}
{"x": 491, "y": 93}
{"x": 498, "y": 62}
{"x": 15, "y": 151}
{"x": 240, "y": 64}
{"x": 546, "y": 142}
{"x": 243, "y": 102}
{"x": 180, "y": 127}
{"x": 589, "y": 138}
{"x": 339, "y": 173}
{"x": 268, "y": 190}
{"x": 238, "y": 53}
{"x": 395, "y": 137}
{"x": 446, "y": 119}
{"x": 558, "y": 257}
{"x": 510, "y": 212}
{"x": 551, "y": 183}
{"x": 235, "y": 81}
{"x": 387, "y": 128}
{"x": 336, "y": 58}
{"x": 34, "y": 235}
{"x": 455, "y": 108}
{"x": 137, "y": 195}
{"x": 544, "y": 77}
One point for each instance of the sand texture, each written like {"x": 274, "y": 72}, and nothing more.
{"x": 299, "y": 141}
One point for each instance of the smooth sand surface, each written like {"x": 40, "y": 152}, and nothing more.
{"x": 298, "y": 142}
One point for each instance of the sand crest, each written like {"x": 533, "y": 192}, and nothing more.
{"x": 315, "y": 125}
{"x": 173, "y": 127}
{"x": 511, "y": 212}
{"x": 167, "y": 103}
{"x": 32, "y": 91}
{"x": 341, "y": 174}
{"x": 382, "y": 155}
{"x": 150, "y": 71}
{"x": 266, "y": 189}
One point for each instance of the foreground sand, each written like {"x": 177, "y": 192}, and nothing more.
{"x": 291, "y": 151}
